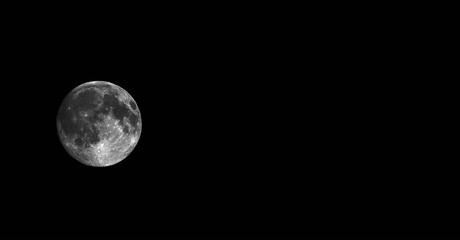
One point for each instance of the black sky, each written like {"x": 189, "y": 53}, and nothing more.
{"x": 257, "y": 121}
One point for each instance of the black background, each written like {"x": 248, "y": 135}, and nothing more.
{"x": 253, "y": 124}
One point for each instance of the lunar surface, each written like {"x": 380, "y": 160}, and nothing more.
{"x": 99, "y": 123}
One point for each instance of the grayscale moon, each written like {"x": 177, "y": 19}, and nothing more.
{"x": 99, "y": 123}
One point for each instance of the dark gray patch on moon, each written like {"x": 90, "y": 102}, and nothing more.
{"x": 133, "y": 105}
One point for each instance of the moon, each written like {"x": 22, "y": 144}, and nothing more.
{"x": 99, "y": 123}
